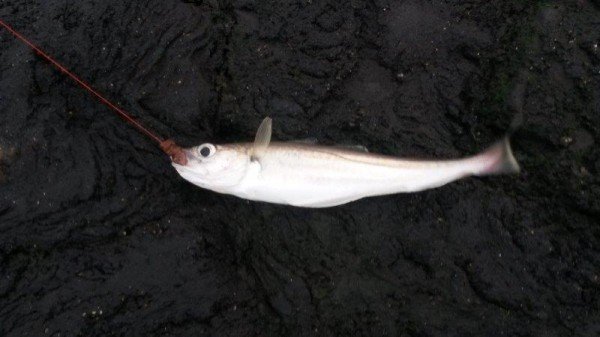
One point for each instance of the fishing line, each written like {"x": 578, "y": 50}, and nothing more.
{"x": 167, "y": 145}
{"x": 84, "y": 85}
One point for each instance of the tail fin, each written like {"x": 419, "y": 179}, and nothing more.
{"x": 497, "y": 159}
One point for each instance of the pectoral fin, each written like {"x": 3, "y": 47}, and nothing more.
{"x": 262, "y": 139}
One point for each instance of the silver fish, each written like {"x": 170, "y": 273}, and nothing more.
{"x": 307, "y": 175}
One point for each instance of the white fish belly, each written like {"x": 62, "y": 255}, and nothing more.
{"x": 302, "y": 178}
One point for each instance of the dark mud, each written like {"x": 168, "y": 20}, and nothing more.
{"x": 100, "y": 237}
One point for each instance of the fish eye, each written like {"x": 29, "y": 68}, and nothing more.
{"x": 206, "y": 150}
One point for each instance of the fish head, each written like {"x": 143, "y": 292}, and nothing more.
{"x": 214, "y": 167}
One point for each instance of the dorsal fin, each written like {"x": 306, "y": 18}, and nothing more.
{"x": 307, "y": 141}
{"x": 262, "y": 139}
{"x": 314, "y": 141}
{"x": 356, "y": 148}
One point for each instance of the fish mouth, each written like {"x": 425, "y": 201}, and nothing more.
{"x": 196, "y": 175}
{"x": 193, "y": 169}
{"x": 191, "y": 158}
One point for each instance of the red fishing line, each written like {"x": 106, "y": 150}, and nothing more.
{"x": 84, "y": 85}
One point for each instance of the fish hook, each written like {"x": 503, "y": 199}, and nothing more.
{"x": 174, "y": 151}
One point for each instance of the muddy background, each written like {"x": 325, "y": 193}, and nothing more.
{"x": 100, "y": 237}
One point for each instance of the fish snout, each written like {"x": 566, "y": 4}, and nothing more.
{"x": 192, "y": 166}
{"x": 188, "y": 159}
{"x": 174, "y": 151}
{"x": 190, "y": 156}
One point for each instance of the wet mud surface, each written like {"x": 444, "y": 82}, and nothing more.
{"x": 100, "y": 237}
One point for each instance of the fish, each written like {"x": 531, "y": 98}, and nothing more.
{"x": 313, "y": 176}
